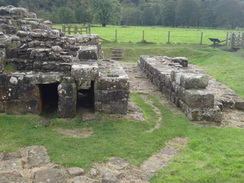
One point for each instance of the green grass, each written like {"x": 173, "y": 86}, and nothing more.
{"x": 123, "y": 138}
{"x": 212, "y": 154}
{"x": 157, "y": 34}
{"x": 9, "y": 68}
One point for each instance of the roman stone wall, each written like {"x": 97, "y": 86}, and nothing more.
{"x": 185, "y": 87}
{"x": 33, "y": 54}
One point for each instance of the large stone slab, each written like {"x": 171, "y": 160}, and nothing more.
{"x": 190, "y": 80}
{"x": 199, "y": 98}
{"x": 11, "y": 165}
{"x": 37, "y": 156}
{"x": 85, "y": 70}
{"x": 67, "y": 100}
{"x": 49, "y": 175}
{"x": 88, "y": 53}
{"x": 12, "y": 178}
{"x": 239, "y": 104}
{"x": 44, "y": 77}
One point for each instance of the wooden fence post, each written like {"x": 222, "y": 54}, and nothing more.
{"x": 143, "y": 36}
{"x": 75, "y": 30}
{"x": 232, "y": 41}
{"x": 227, "y": 38}
{"x": 116, "y": 36}
{"x": 201, "y": 38}
{"x": 63, "y": 28}
{"x": 169, "y": 37}
{"x": 88, "y": 29}
{"x": 242, "y": 40}
{"x": 68, "y": 29}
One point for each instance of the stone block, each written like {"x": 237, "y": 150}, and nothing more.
{"x": 75, "y": 171}
{"x": 15, "y": 107}
{"x": 2, "y": 58}
{"x": 191, "y": 81}
{"x": 12, "y": 177}
{"x": 1, "y": 107}
{"x": 113, "y": 107}
{"x": 50, "y": 175}
{"x": 88, "y": 53}
{"x": 43, "y": 77}
{"x": 108, "y": 96}
{"x": 67, "y": 90}
{"x": 33, "y": 106}
{"x": 66, "y": 107}
{"x": 11, "y": 165}
{"x": 239, "y": 104}
{"x": 37, "y": 156}
{"x": 9, "y": 93}
{"x": 214, "y": 114}
{"x": 109, "y": 178}
{"x": 112, "y": 84}
{"x": 86, "y": 39}
{"x": 181, "y": 60}
{"x": 199, "y": 98}
{"x": 85, "y": 71}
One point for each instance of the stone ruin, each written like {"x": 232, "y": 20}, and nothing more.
{"x": 190, "y": 89}
{"x": 42, "y": 69}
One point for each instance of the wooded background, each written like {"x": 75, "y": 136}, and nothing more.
{"x": 176, "y": 13}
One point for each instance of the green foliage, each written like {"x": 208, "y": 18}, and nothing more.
{"x": 148, "y": 17}
{"x": 9, "y": 68}
{"x": 106, "y": 11}
{"x": 205, "y": 13}
{"x": 66, "y": 15}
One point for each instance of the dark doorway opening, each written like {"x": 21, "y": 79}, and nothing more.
{"x": 85, "y": 99}
{"x": 49, "y": 98}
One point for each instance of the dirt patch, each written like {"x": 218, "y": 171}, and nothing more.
{"x": 76, "y": 133}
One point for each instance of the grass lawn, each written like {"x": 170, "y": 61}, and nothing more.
{"x": 157, "y": 34}
{"x": 212, "y": 154}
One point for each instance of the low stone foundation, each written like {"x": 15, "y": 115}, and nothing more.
{"x": 185, "y": 87}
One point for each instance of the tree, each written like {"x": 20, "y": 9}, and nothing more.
{"x": 148, "y": 16}
{"x": 83, "y": 12}
{"x": 106, "y": 11}
{"x": 230, "y": 13}
{"x": 131, "y": 16}
{"x": 169, "y": 13}
{"x": 187, "y": 13}
{"x": 207, "y": 14}
{"x": 66, "y": 15}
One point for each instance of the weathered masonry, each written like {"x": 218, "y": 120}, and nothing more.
{"x": 41, "y": 69}
{"x": 187, "y": 88}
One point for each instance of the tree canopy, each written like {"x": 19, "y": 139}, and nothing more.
{"x": 206, "y": 13}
